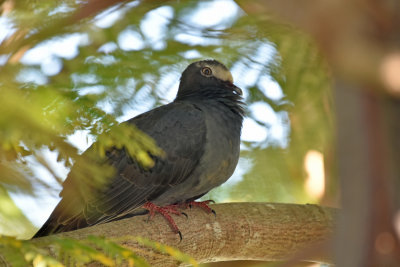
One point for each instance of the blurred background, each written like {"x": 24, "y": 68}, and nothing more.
{"x": 69, "y": 70}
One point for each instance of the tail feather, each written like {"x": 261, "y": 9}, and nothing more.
{"x": 52, "y": 226}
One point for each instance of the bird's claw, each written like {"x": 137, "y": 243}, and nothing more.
{"x": 203, "y": 205}
{"x": 165, "y": 212}
{"x": 213, "y": 211}
{"x": 180, "y": 236}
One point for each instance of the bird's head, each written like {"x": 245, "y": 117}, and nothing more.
{"x": 206, "y": 74}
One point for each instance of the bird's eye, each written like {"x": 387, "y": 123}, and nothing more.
{"x": 206, "y": 71}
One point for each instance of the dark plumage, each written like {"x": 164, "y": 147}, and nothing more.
{"x": 200, "y": 135}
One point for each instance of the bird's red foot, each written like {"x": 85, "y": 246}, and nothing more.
{"x": 202, "y": 204}
{"x": 165, "y": 212}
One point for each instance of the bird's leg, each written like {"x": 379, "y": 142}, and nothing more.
{"x": 165, "y": 212}
{"x": 202, "y": 204}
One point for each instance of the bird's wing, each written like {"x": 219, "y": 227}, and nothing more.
{"x": 178, "y": 129}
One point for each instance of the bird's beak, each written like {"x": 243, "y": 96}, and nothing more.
{"x": 237, "y": 90}
{"x": 234, "y": 88}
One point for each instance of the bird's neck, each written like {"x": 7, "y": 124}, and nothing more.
{"x": 227, "y": 98}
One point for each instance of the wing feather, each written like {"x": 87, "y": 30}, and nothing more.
{"x": 178, "y": 128}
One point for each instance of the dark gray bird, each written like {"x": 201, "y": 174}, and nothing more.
{"x": 200, "y": 135}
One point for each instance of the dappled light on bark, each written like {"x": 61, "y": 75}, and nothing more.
{"x": 240, "y": 231}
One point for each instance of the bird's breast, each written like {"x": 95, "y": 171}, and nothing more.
{"x": 219, "y": 157}
{"x": 222, "y": 149}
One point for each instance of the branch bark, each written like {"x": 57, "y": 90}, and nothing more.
{"x": 239, "y": 231}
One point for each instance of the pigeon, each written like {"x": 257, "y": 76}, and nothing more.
{"x": 199, "y": 133}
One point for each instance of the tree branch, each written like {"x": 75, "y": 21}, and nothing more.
{"x": 239, "y": 231}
